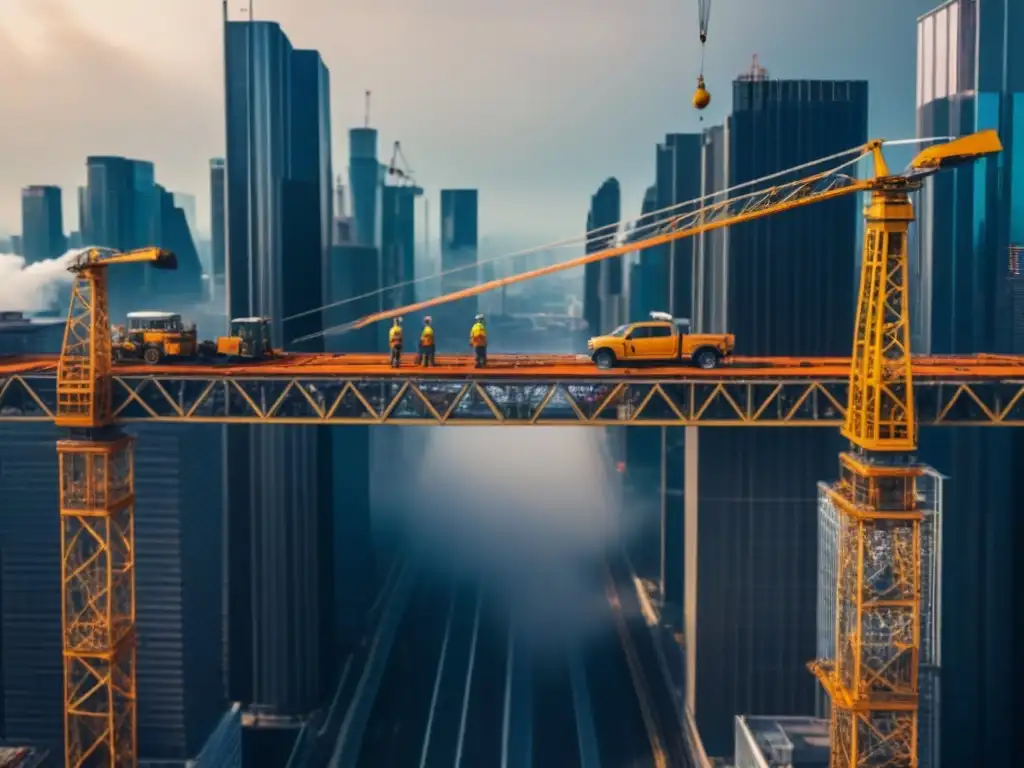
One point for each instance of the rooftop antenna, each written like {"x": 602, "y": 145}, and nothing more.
{"x": 367, "y": 110}
{"x": 756, "y": 73}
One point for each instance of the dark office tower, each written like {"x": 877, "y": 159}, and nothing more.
{"x": 277, "y": 160}
{"x": 181, "y": 287}
{"x": 83, "y": 214}
{"x": 16, "y": 245}
{"x": 459, "y": 250}
{"x": 711, "y": 263}
{"x": 31, "y": 675}
{"x": 365, "y": 178}
{"x": 398, "y": 242}
{"x": 110, "y": 202}
{"x": 677, "y": 182}
{"x": 178, "y": 583}
{"x": 602, "y": 280}
{"x": 970, "y": 78}
{"x": 751, "y": 517}
{"x": 353, "y": 273}
{"x": 42, "y": 223}
{"x": 217, "y": 191}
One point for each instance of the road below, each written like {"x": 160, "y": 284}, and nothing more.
{"x": 463, "y": 686}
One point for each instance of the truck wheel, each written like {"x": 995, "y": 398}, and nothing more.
{"x": 151, "y": 355}
{"x": 604, "y": 359}
{"x": 706, "y": 359}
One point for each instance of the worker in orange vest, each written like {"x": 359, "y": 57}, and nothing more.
{"x": 395, "y": 342}
{"x": 427, "y": 347}
{"x": 478, "y": 340}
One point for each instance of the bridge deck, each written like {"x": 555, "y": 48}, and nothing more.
{"x": 532, "y": 367}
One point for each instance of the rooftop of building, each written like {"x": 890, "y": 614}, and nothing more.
{"x": 791, "y": 741}
{"x": 15, "y": 320}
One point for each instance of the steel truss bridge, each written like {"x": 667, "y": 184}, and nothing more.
{"x": 521, "y": 391}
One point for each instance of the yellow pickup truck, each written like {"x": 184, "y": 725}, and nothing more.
{"x": 662, "y": 339}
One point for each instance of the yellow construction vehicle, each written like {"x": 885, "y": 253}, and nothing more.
{"x": 662, "y": 339}
{"x": 249, "y": 339}
{"x": 154, "y": 337}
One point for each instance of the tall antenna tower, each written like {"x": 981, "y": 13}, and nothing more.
{"x": 366, "y": 111}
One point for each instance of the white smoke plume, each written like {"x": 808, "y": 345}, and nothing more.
{"x": 33, "y": 287}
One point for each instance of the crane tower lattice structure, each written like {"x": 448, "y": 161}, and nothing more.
{"x": 97, "y": 497}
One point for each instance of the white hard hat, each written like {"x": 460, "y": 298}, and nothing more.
{"x": 479, "y": 317}
{"x": 426, "y": 319}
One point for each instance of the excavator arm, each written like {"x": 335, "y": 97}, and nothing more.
{"x": 787, "y": 196}
{"x": 83, "y": 373}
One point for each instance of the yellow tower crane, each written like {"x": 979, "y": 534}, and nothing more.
{"x": 873, "y": 678}
{"x": 97, "y": 496}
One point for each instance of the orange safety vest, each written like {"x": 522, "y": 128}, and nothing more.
{"x": 395, "y": 336}
{"x": 427, "y": 336}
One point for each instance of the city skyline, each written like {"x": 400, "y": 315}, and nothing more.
{"x": 130, "y": 94}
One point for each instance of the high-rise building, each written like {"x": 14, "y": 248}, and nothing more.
{"x": 278, "y": 195}
{"x": 42, "y": 223}
{"x": 31, "y": 669}
{"x": 16, "y": 245}
{"x": 187, "y": 203}
{"x": 365, "y": 178}
{"x": 602, "y": 280}
{"x": 398, "y": 242}
{"x": 459, "y": 251}
{"x": 750, "y": 500}
{"x": 217, "y": 192}
{"x": 178, "y": 586}
{"x": 109, "y": 202}
{"x": 711, "y": 264}
{"x": 970, "y": 77}
{"x": 83, "y": 214}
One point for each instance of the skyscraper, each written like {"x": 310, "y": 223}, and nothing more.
{"x": 278, "y": 195}
{"x": 31, "y": 688}
{"x": 750, "y": 563}
{"x": 365, "y": 178}
{"x": 187, "y": 203}
{"x": 398, "y": 242}
{"x": 217, "y": 191}
{"x": 109, "y": 202}
{"x": 42, "y": 223}
{"x": 602, "y": 280}
{"x": 459, "y": 250}
{"x": 970, "y": 77}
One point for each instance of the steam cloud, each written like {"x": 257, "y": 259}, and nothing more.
{"x": 33, "y": 287}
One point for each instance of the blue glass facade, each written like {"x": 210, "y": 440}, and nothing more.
{"x": 42, "y": 223}
{"x": 398, "y": 243}
{"x": 971, "y": 77}
{"x": 602, "y": 279}
{"x": 460, "y": 240}
{"x": 217, "y": 220}
{"x": 365, "y": 178}
{"x": 278, "y": 177}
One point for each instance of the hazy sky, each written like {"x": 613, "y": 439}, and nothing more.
{"x": 535, "y": 102}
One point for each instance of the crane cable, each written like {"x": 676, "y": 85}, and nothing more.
{"x": 703, "y": 17}
{"x": 658, "y": 225}
{"x": 655, "y": 219}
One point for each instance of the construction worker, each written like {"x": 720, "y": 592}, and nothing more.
{"x": 395, "y": 342}
{"x": 427, "y": 348}
{"x": 478, "y": 340}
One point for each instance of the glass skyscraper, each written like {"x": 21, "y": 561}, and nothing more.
{"x": 278, "y": 202}
{"x": 42, "y": 223}
{"x": 970, "y": 77}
